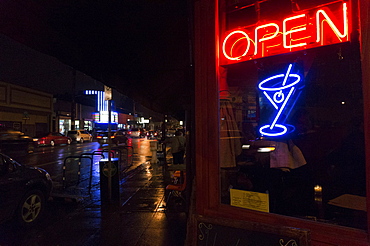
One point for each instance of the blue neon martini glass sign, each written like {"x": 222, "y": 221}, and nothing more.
{"x": 279, "y": 90}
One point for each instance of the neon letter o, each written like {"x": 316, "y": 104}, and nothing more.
{"x": 224, "y": 45}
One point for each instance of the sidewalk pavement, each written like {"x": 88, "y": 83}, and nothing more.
{"x": 140, "y": 218}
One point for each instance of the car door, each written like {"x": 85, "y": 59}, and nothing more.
{"x": 10, "y": 187}
{"x": 85, "y": 135}
{"x": 59, "y": 138}
{"x": 50, "y": 137}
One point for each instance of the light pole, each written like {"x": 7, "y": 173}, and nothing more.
{"x": 108, "y": 97}
{"x": 73, "y": 104}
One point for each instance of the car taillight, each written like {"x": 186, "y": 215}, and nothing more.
{"x": 99, "y": 137}
{"x": 41, "y": 140}
{"x": 129, "y": 132}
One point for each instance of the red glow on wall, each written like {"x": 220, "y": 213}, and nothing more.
{"x": 308, "y": 29}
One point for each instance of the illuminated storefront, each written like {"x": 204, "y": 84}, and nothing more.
{"x": 286, "y": 93}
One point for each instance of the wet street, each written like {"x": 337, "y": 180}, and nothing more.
{"x": 75, "y": 215}
{"x": 52, "y": 158}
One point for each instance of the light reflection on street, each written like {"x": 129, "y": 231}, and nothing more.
{"x": 77, "y": 170}
{"x": 142, "y": 150}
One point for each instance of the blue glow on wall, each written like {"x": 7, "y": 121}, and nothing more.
{"x": 101, "y": 104}
{"x": 281, "y": 92}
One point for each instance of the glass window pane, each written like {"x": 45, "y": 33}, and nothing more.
{"x": 298, "y": 143}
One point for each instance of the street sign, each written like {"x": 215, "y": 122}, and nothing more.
{"x": 107, "y": 93}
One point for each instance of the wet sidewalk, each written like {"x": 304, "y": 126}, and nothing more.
{"x": 140, "y": 217}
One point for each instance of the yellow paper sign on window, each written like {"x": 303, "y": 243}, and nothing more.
{"x": 249, "y": 199}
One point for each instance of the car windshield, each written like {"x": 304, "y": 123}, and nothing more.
{"x": 72, "y": 132}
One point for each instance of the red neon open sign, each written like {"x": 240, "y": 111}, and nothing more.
{"x": 313, "y": 28}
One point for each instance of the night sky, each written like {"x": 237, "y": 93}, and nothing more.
{"x": 140, "y": 48}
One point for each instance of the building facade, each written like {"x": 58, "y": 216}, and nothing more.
{"x": 26, "y": 110}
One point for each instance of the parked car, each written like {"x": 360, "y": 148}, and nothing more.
{"x": 24, "y": 191}
{"x": 14, "y": 142}
{"x": 52, "y": 138}
{"x": 80, "y": 136}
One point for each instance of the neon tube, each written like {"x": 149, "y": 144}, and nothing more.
{"x": 278, "y": 95}
{"x": 267, "y": 38}
{"x": 319, "y": 24}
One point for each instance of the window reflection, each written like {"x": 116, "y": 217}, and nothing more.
{"x": 317, "y": 171}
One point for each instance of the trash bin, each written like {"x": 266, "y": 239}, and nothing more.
{"x": 104, "y": 177}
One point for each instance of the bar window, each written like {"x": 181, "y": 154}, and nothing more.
{"x": 295, "y": 148}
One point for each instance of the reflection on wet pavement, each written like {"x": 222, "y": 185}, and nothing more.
{"x": 140, "y": 217}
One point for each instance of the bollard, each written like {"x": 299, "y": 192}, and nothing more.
{"x": 153, "y": 148}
